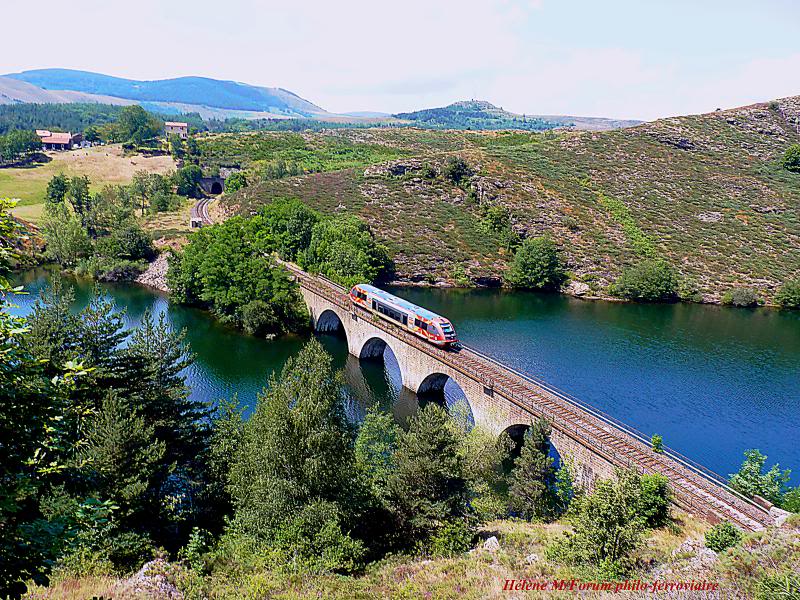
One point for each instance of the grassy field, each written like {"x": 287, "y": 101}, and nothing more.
{"x": 707, "y": 192}
{"x": 104, "y": 165}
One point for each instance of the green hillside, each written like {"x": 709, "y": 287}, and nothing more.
{"x": 707, "y": 192}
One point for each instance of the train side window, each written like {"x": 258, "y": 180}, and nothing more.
{"x": 405, "y": 319}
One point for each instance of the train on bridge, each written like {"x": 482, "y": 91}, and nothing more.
{"x": 419, "y": 321}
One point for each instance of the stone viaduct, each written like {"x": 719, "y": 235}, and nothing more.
{"x": 502, "y": 399}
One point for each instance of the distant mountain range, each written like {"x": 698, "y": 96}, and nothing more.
{"x": 213, "y": 98}
{"x": 210, "y": 96}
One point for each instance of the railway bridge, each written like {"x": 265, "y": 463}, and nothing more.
{"x": 503, "y": 399}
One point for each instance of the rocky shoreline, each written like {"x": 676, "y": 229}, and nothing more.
{"x": 155, "y": 276}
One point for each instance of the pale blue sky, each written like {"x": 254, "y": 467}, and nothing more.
{"x": 618, "y": 58}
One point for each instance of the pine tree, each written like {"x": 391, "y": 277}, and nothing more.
{"x": 124, "y": 462}
{"x": 53, "y": 330}
{"x": 155, "y": 359}
{"x": 427, "y": 487}
{"x": 534, "y": 476}
{"x": 297, "y": 448}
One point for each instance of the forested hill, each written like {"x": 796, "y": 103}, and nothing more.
{"x": 710, "y": 194}
{"x": 203, "y": 91}
{"x": 482, "y": 115}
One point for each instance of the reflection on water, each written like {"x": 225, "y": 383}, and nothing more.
{"x": 712, "y": 381}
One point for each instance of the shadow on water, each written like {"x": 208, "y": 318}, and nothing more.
{"x": 713, "y": 381}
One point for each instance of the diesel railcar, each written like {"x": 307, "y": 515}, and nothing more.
{"x": 419, "y": 321}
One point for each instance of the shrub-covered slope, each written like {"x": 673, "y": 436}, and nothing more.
{"x": 706, "y": 192}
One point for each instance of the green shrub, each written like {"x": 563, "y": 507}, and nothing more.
{"x": 451, "y": 539}
{"x": 742, "y": 297}
{"x": 537, "y": 265}
{"x": 457, "y": 170}
{"x": 789, "y": 294}
{"x": 657, "y": 443}
{"x": 648, "y": 281}
{"x": 654, "y": 500}
{"x": 723, "y": 536}
{"x": 235, "y": 182}
{"x": 791, "y": 500}
{"x": 259, "y": 318}
{"x": 778, "y": 586}
{"x": 791, "y": 158}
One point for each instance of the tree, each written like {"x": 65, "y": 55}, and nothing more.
{"x": 92, "y": 134}
{"x": 285, "y": 225}
{"x": 235, "y": 182}
{"x": 533, "y": 479}
{"x": 345, "y": 250}
{"x": 57, "y": 188}
{"x": 791, "y": 158}
{"x": 224, "y": 268}
{"x": 176, "y": 147}
{"x": 751, "y": 481}
{"x": 124, "y": 460}
{"x": 789, "y": 294}
{"x": 427, "y": 487}
{"x": 484, "y": 456}
{"x": 67, "y": 240}
{"x": 146, "y": 187}
{"x": 80, "y": 199}
{"x": 607, "y": 528}
{"x": 648, "y": 281}
{"x": 136, "y": 126}
{"x": 18, "y": 143}
{"x": 537, "y": 265}
{"x": 292, "y": 478}
{"x": 375, "y": 448}
{"x": 457, "y": 169}
{"x": 187, "y": 181}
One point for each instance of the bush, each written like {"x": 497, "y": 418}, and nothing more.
{"x": 789, "y": 294}
{"x": 723, "y": 536}
{"x": 537, "y": 265}
{"x": 742, "y": 297}
{"x": 791, "y": 158}
{"x": 235, "y": 182}
{"x": 778, "y": 586}
{"x": 791, "y": 500}
{"x": 654, "y": 500}
{"x": 648, "y": 281}
{"x": 259, "y": 318}
{"x": 457, "y": 169}
{"x": 452, "y": 539}
{"x": 187, "y": 181}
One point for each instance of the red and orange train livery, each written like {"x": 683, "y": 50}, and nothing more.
{"x": 419, "y": 321}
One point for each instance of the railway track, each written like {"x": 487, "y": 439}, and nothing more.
{"x": 200, "y": 211}
{"x": 695, "y": 488}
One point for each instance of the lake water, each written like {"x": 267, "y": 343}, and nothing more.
{"x": 713, "y": 381}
